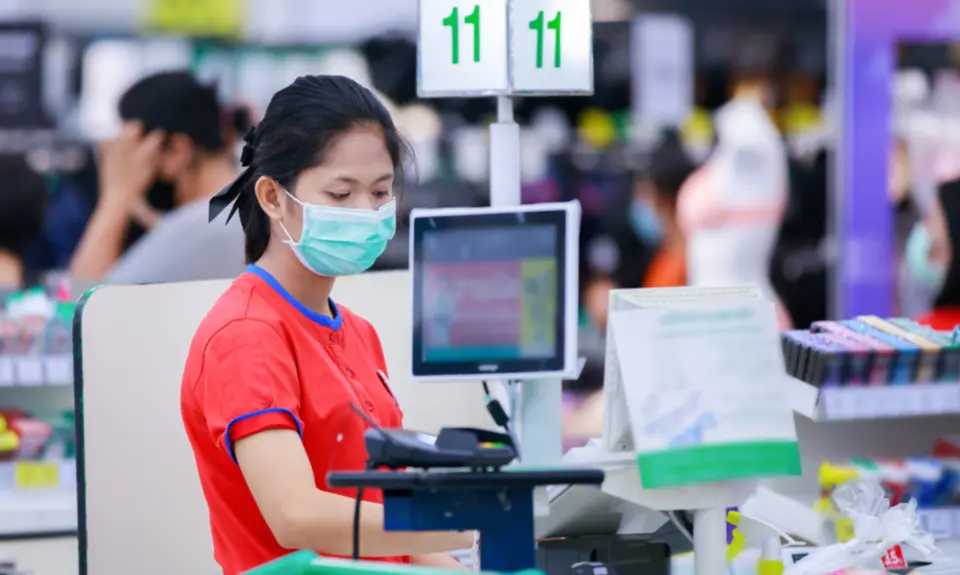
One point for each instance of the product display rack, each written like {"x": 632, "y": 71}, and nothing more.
{"x": 858, "y": 421}
{"x": 37, "y": 498}
{"x": 885, "y": 401}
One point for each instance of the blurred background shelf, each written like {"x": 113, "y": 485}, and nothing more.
{"x": 36, "y": 371}
{"x": 38, "y": 498}
{"x": 872, "y": 402}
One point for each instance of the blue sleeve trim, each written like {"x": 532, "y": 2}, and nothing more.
{"x": 226, "y": 432}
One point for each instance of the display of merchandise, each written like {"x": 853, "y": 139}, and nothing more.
{"x": 870, "y": 367}
{"x": 870, "y": 350}
{"x": 933, "y": 481}
{"x": 36, "y": 346}
{"x": 37, "y": 432}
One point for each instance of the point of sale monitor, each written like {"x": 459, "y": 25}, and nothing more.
{"x": 495, "y": 292}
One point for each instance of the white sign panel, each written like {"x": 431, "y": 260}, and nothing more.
{"x": 551, "y": 47}
{"x": 663, "y": 70}
{"x": 703, "y": 384}
{"x": 462, "y": 48}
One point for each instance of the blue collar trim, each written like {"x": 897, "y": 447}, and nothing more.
{"x": 333, "y": 323}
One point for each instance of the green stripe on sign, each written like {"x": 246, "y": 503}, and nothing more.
{"x": 718, "y": 462}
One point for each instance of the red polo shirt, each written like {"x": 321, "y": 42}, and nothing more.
{"x": 260, "y": 360}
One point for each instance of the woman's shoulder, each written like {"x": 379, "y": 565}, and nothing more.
{"x": 238, "y": 308}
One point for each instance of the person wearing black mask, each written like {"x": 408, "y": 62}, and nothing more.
{"x": 171, "y": 153}
{"x": 22, "y": 208}
{"x": 931, "y": 257}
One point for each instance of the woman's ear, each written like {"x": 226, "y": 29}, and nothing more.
{"x": 268, "y": 193}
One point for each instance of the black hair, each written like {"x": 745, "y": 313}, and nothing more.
{"x": 670, "y": 167}
{"x": 176, "y": 103}
{"x": 948, "y": 194}
{"x": 23, "y": 203}
{"x": 298, "y": 127}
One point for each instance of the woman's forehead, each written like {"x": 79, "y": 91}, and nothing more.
{"x": 360, "y": 154}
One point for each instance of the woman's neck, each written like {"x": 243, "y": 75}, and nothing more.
{"x": 11, "y": 271}
{"x": 308, "y": 288}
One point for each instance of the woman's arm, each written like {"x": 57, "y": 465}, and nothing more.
{"x": 102, "y": 242}
{"x": 441, "y": 560}
{"x": 127, "y": 165}
{"x": 279, "y": 475}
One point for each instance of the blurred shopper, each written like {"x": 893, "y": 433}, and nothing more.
{"x": 172, "y": 140}
{"x": 931, "y": 257}
{"x": 670, "y": 168}
{"x": 23, "y": 202}
{"x": 653, "y": 220}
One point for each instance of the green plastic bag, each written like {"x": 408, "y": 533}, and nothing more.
{"x": 309, "y": 563}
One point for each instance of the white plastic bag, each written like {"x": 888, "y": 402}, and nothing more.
{"x": 877, "y": 527}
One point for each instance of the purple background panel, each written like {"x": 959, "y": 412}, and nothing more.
{"x": 867, "y": 40}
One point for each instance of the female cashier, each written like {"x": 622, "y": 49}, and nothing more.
{"x": 276, "y": 364}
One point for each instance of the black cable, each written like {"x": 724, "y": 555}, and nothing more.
{"x": 356, "y": 524}
{"x": 496, "y": 410}
{"x": 357, "y": 504}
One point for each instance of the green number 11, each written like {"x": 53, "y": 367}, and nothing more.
{"x": 537, "y": 25}
{"x": 453, "y": 21}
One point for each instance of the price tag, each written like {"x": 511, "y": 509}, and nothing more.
{"x": 8, "y": 375}
{"x": 866, "y": 403}
{"x": 911, "y": 402}
{"x": 893, "y": 558}
{"x": 551, "y": 47}
{"x": 58, "y": 369}
{"x": 949, "y": 398}
{"x": 36, "y": 475}
{"x": 462, "y": 48}
{"x": 887, "y": 401}
{"x": 829, "y": 404}
{"x": 29, "y": 371}
{"x": 837, "y": 403}
{"x": 929, "y": 398}
{"x": 937, "y": 522}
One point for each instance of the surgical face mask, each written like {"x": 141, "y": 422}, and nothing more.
{"x": 645, "y": 221}
{"x": 342, "y": 241}
{"x": 917, "y": 253}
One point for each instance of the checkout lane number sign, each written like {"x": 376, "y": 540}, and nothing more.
{"x": 500, "y": 47}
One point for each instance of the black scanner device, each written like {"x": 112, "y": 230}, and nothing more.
{"x": 454, "y": 447}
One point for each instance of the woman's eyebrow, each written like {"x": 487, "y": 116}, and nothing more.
{"x": 348, "y": 180}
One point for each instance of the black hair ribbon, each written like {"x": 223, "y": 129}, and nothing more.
{"x": 233, "y": 193}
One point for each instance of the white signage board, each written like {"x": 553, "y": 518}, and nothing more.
{"x": 551, "y": 47}
{"x": 706, "y": 393}
{"x": 661, "y": 50}
{"x": 462, "y": 48}
{"x": 480, "y": 48}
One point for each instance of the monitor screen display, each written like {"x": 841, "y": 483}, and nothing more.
{"x": 489, "y": 294}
